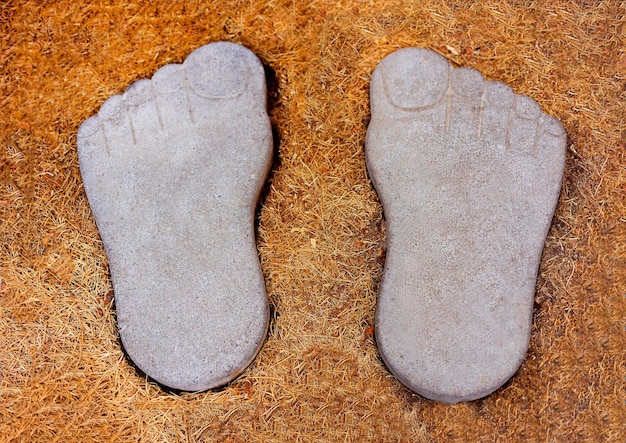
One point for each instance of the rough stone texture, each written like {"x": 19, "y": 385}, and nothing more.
{"x": 469, "y": 175}
{"x": 173, "y": 169}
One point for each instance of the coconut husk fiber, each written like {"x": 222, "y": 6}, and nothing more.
{"x": 321, "y": 236}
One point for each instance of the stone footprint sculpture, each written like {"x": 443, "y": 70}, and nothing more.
{"x": 468, "y": 174}
{"x": 173, "y": 169}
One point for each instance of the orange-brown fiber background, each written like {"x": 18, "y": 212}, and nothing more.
{"x": 321, "y": 235}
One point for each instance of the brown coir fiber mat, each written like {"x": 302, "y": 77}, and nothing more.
{"x": 318, "y": 378}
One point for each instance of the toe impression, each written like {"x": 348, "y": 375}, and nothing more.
{"x": 415, "y": 78}
{"x": 218, "y": 71}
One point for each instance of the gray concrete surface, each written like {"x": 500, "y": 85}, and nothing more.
{"x": 469, "y": 175}
{"x": 173, "y": 169}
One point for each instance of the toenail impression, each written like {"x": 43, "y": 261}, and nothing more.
{"x": 415, "y": 78}
{"x": 468, "y": 205}
{"x": 174, "y": 199}
{"x": 213, "y": 74}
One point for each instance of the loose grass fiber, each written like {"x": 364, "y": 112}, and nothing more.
{"x": 321, "y": 237}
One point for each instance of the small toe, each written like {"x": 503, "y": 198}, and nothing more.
{"x": 500, "y": 95}
{"x": 527, "y": 108}
{"x": 415, "y": 78}
{"x": 139, "y": 93}
{"x": 499, "y": 101}
{"x": 92, "y": 149}
{"x": 89, "y": 128}
{"x": 116, "y": 125}
{"x": 218, "y": 70}
{"x": 552, "y": 126}
{"x": 113, "y": 110}
{"x": 551, "y": 150}
{"x": 468, "y": 83}
{"x": 90, "y": 146}
{"x": 168, "y": 79}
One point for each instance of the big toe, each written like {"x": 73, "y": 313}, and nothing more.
{"x": 415, "y": 77}
{"x": 218, "y": 70}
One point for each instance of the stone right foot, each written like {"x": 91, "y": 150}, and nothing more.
{"x": 469, "y": 175}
